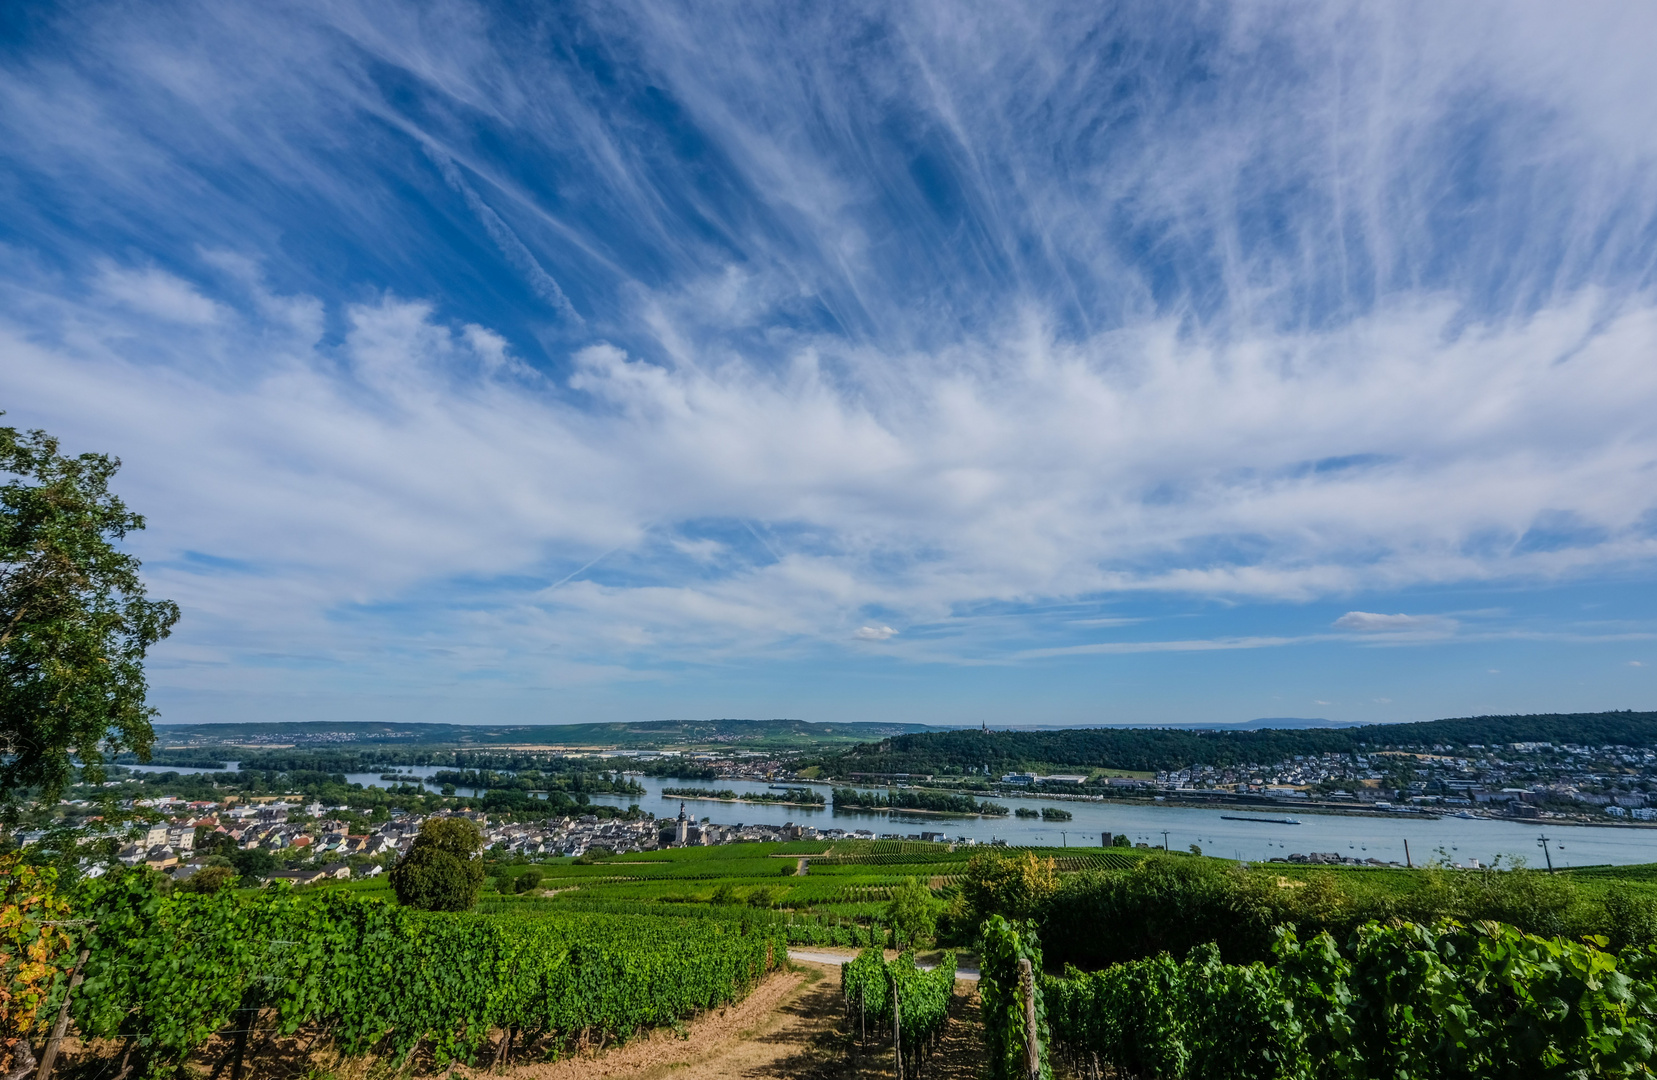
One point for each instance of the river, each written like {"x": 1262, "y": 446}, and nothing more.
{"x": 1381, "y": 838}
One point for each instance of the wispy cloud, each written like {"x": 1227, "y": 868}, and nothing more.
{"x": 888, "y": 316}
{"x": 1369, "y": 622}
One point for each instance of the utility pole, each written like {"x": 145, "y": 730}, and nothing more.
{"x": 1164, "y": 839}
{"x": 1407, "y": 863}
{"x": 1064, "y": 838}
{"x": 1542, "y": 842}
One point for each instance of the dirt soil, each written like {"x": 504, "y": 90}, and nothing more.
{"x": 791, "y": 1027}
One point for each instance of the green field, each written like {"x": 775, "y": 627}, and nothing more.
{"x": 843, "y": 892}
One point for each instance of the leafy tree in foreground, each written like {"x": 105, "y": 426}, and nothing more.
{"x": 440, "y": 872}
{"x": 74, "y": 620}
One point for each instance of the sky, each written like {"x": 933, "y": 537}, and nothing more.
{"x": 944, "y": 362}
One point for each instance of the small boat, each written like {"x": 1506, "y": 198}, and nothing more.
{"x": 1262, "y": 820}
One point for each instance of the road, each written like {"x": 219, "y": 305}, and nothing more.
{"x": 965, "y": 966}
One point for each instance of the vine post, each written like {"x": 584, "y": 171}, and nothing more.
{"x": 1032, "y": 1038}
{"x": 897, "y": 1024}
{"x": 50, "y": 1056}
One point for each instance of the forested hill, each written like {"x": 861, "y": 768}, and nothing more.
{"x": 646, "y": 734}
{"x": 1161, "y": 748}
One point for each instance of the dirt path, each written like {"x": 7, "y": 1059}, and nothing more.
{"x": 790, "y": 1028}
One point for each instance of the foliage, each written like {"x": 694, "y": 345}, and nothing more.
{"x": 912, "y": 913}
{"x": 253, "y": 864}
{"x": 1173, "y": 904}
{"x": 441, "y": 871}
{"x": 1012, "y": 886}
{"x": 209, "y": 879}
{"x": 167, "y": 972}
{"x": 938, "y": 802}
{"x": 74, "y": 619}
{"x": 787, "y": 795}
{"x": 1401, "y": 1001}
{"x": 1631, "y": 917}
{"x": 34, "y": 949}
{"x": 1002, "y": 945}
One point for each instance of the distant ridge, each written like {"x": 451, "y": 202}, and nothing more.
{"x": 1147, "y": 748}
{"x": 1264, "y": 723}
{"x": 639, "y": 735}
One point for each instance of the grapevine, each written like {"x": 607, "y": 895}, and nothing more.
{"x": 167, "y": 973}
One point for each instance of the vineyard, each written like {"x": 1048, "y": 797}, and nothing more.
{"x": 1405, "y": 1001}
{"x": 166, "y": 975}
{"x": 897, "y": 998}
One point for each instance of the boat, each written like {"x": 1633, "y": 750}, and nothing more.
{"x": 1262, "y": 820}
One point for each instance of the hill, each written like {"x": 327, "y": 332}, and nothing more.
{"x": 1168, "y": 748}
{"x": 644, "y": 735}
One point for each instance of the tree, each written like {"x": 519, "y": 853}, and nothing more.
{"x": 911, "y": 912}
{"x": 1014, "y": 888}
{"x": 253, "y": 864}
{"x": 75, "y": 623}
{"x": 441, "y": 871}
{"x": 208, "y": 879}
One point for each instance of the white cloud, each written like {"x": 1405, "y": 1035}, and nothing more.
{"x": 1636, "y": 663}
{"x": 157, "y": 294}
{"x": 874, "y": 633}
{"x": 1369, "y": 622}
{"x": 414, "y": 455}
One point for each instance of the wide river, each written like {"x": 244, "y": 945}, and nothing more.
{"x": 1459, "y": 839}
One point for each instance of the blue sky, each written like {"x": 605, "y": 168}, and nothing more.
{"x": 1047, "y": 363}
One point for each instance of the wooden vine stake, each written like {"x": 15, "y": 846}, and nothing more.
{"x": 897, "y": 1024}
{"x": 1032, "y": 1041}
{"x": 50, "y": 1057}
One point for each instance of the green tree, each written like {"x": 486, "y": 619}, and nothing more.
{"x": 74, "y": 619}
{"x": 253, "y": 864}
{"x": 440, "y": 872}
{"x": 911, "y": 912}
{"x": 1012, "y": 887}
{"x": 208, "y": 879}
